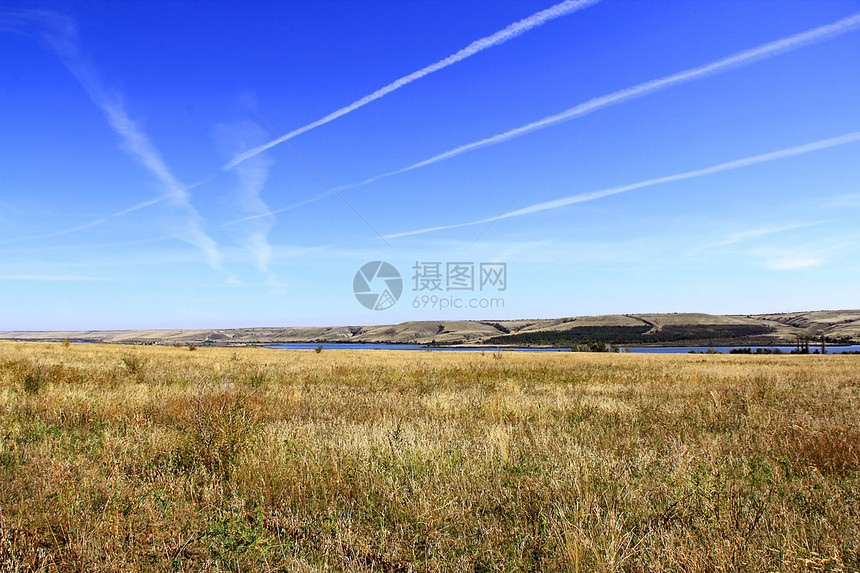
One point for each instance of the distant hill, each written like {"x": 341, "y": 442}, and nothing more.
{"x": 837, "y": 326}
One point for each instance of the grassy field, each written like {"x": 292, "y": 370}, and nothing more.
{"x": 158, "y": 458}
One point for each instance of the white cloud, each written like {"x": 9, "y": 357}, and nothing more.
{"x": 749, "y": 234}
{"x": 793, "y": 261}
{"x": 252, "y": 229}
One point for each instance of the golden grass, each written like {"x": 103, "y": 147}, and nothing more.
{"x": 155, "y": 458}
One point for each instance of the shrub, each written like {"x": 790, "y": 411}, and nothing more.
{"x": 134, "y": 363}
{"x": 219, "y": 429}
{"x": 34, "y": 379}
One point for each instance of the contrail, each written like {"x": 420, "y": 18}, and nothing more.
{"x": 591, "y": 196}
{"x": 157, "y": 200}
{"x": 89, "y": 225}
{"x": 738, "y": 60}
{"x": 500, "y": 37}
{"x": 142, "y": 205}
{"x": 61, "y": 36}
{"x": 281, "y": 210}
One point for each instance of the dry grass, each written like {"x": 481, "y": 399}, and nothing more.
{"x": 154, "y": 458}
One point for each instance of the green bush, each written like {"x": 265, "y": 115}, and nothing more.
{"x": 218, "y": 430}
{"x": 134, "y": 363}
{"x": 34, "y": 379}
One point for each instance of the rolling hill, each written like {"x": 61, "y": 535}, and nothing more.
{"x": 629, "y": 329}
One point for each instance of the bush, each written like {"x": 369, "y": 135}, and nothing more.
{"x": 134, "y": 363}
{"x": 34, "y": 379}
{"x": 218, "y": 432}
{"x": 31, "y": 376}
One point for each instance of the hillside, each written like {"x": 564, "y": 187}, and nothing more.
{"x": 656, "y": 329}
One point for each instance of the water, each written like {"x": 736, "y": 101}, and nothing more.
{"x": 371, "y": 346}
{"x": 727, "y": 349}
{"x": 345, "y": 346}
{"x": 639, "y": 349}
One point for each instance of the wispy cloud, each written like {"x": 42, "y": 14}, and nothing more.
{"x": 793, "y": 261}
{"x": 253, "y": 229}
{"x": 251, "y": 178}
{"x": 54, "y": 247}
{"x": 500, "y": 37}
{"x": 796, "y": 257}
{"x": 750, "y": 234}
{"x": 738, "y": 60}
{"x": 591, "y": 196}
{"x": 845, "y": 200}
{"x": 51, "y": 278}
{"x": 60, "y": 34}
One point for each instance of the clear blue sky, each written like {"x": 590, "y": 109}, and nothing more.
{"x": 128, "y": 198}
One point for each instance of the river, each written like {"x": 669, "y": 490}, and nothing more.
{"x": 637, "y": 349}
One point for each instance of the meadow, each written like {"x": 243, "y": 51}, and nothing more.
{"x": 121, "y": 458}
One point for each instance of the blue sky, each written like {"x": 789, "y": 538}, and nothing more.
{"x": 690, "y": 156}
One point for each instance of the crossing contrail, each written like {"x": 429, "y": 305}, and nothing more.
{"x": 500, "y": 37}
{"x": 738, "y": 60}
{"x": 592, "y": 195}
{"x": 60, "y": 33}
{"x": 281, "y": 210}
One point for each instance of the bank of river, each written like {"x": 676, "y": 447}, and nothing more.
{"x": 638, "y": 349}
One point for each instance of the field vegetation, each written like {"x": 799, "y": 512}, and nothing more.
{"x": 118, "y": 458}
